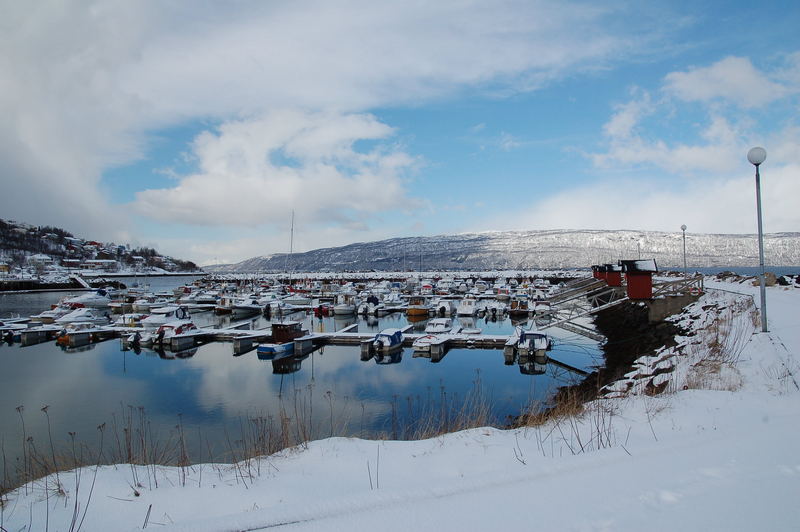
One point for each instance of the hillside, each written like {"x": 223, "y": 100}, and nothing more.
{"x": 23, "y": 244}
{"x": 532, "y": 249}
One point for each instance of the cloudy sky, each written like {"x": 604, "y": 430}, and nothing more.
{"x": 198, "y": 127}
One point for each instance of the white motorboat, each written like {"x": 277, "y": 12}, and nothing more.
{"x": 345, "y": 305}
{"x": 50, "y": 316}
{"x": 534, "y": 343}
{"x": 467, "y": 306}
{"x": 96, "y": 299}
{"x": 435, "y": 329}
{"x": 84, "y": 315}
{"x": 423, "y": 343}
{"x": 393, "y": 299}
{"x": 441, "y": 326}
{"x": 246, "y": 306}
{"x": 172, "y": 328}
{"x": 298, "y": 299}
{"x": 131, "y": 319}
{"x": 162, "y": 315}
{"x": 443, "y": 307}
{"x": 148, "y": 303}
{"x": 371, "y": 306}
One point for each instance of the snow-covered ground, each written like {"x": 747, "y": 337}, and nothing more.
{"x": 716, "y": 450}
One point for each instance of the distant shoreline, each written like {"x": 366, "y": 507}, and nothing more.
{"x": 161, "y": 274}
{"x": 19, "y": 285}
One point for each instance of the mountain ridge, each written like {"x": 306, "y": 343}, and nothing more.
{"x": 554, "y": 248}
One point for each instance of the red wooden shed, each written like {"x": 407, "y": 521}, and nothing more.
{"x": 639, "y": 277}
{"x": 613, "y": 275}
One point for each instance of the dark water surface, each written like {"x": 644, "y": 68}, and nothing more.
{"x": 213, "y": 394}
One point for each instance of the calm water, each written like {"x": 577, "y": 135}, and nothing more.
{"x": 213, "y": 391}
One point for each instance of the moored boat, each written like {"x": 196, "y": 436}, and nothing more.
{"x": 388, "y": 340}
{"x": 467, "y": 306}
{"x": 84, "y": 315}
{"x": 97, "y": 299}
{"x": 283, "y": 336}
{"x": 418, "y": 305}
{"x": 162, "y": 315}
{"x": 345, "y": 305}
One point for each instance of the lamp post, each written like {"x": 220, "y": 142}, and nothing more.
{"x": 756, "y": 156}
{"x": 685, "y": 273}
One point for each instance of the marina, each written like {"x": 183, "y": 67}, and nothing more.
{"x": 388, "y": 369}
{"x": 213, "y": 376}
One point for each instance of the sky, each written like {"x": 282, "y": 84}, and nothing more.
{"x": 198, "y": 128}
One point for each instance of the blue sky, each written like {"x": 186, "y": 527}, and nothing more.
{"x": 199, "y": 128}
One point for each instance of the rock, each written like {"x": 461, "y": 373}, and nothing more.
{"x": 769, "y": 279}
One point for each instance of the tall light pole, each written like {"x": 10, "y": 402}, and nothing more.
{"x": 756, "y": 156}
{"x": 685, "y": 272}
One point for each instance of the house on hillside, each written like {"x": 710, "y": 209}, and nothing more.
{"x": 71, "y": 263}
{"x": 101, "y": 264}
{"x": 44, "y": 260}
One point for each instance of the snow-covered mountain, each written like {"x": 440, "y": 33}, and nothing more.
{"x": 532, "y": 249}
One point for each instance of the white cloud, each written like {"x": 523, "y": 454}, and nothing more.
{"x": 628, "y": 116}
{"x": 508, "y": 142}
{"x": 717, "y": 206}
{"x": 83, "y": 85}
{"x": 732, "y": 79}
{"x": 667, "y": 132}
{"x": 256, "y": 171}
{"x": 719, "y": 152}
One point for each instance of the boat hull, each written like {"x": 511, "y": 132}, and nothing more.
{"x": 270, "y": 351}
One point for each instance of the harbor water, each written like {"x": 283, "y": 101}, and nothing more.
{"x": 211, "y": 395}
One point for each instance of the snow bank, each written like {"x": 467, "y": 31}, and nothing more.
{"x": 715, "y": 450}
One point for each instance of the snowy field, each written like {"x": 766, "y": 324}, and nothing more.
{"x": 716, "y": 449}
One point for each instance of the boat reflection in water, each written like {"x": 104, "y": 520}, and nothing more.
{"x": 434, "y": 357}
{"x": 172, "y": 355}
{"x": 532, "y": 367}
{"x": 392, "y": 357}
{"x": 288, "y": 364}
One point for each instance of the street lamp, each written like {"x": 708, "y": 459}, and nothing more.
{"x": 756, "y": 156}
{"x": 683, "y": 228}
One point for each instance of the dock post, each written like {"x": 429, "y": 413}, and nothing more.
{"x": 367, "y": 350}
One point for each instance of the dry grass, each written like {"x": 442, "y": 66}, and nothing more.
{"x": 715, "y": 355}
{"x": 130, "y": 437}
{"x": 570, "y": 425}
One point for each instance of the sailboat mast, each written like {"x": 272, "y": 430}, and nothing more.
{"x": 291, "y": 248}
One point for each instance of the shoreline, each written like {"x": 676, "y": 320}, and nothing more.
{"x": 628, "y": 441}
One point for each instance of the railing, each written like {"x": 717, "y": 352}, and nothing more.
{"x": 688, "y": 285}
